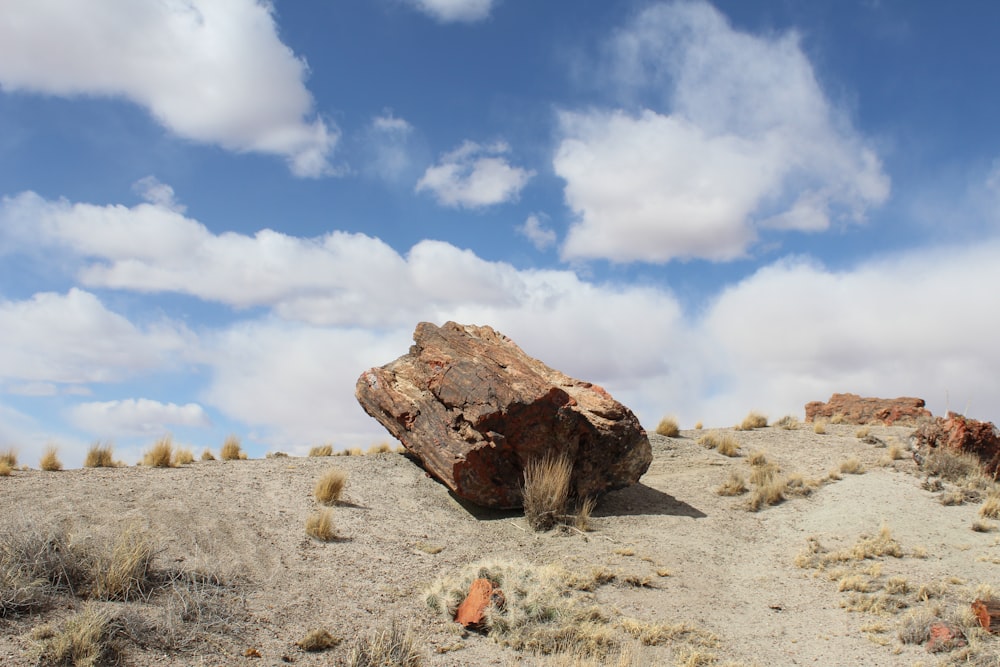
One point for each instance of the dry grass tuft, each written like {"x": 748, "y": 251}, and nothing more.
{"x": 160, "y": 455}
{"x": 9, "y": 457}
{"x": 751, "y": 421}
{"x": 395, "y": 646}
{"x": 897, "y": 586}
{"x": 698, "y": 426}
{"x": 353, "y": 451}
{"x": 981, "y": 526}
{"x": 99, "y": 456}
{"x": 183, "y": 456}
{"x": 317, "y": 640}
{"x": 852, "y": 466}
{"x": 953, "y": 497}
{"x": 87, "y": 639}
{"x": 734, "y": 486}
{"x": 819, "y": 427}
{"x": 581, "y": 520}
{"x": 5, "y": 469}
{"x": 769, "y": 492}
{"x": 837, "y": 418}
{"x": 724, "y": 443}
{"x": 757, "y": 458}
{"x": 669, "y": 427}
{"x": 330, "y": 486}
{"x": 321, "y": 450}
{"x": 231, "y": 450}
{"x": 991, "y": 506}
{"x": 381, "y": 448}
{"x": 862, "y": 432}
{"x": 788, "y": 423}
{"x": 546, "y": 491}
{"x": 896, "y": 452}
{"x": 123, "y": 573}
{"x": 951, "y": 466}
{"x": 320, "y": 526}
{"x": 207, "y": 455}
{"x": 50, "y": 460}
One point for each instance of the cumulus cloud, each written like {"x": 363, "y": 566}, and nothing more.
{"x": 212, "y": 72}
{"x": 474, "y": 176}
{"x": 135, "y": 417}
{"x": 389, "y": 148}
{"x": 740, "y": 137}
{"x": 452, "y": 11}
{"x": 536, "y": 231}
{"x": 160, "y": 194}
{"x": 72, "y": 338}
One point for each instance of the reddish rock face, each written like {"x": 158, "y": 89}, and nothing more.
{"x": 962, "y": 434}
{"x": 860, "y": 410}
{"x": 475, "y": 409}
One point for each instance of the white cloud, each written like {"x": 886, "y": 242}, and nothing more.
{"x": 537, "y": 232}
{"x": 745, "y": 139}
{"x": 389, "y": 149}
{"x": 135, "y": 417}
{"x": 450, "y": 11}
{"x": 73, "y": 338}
{"x": 160, "y": 194}
{"x": 208, "y": 70}
{"x": 474, "y": 176}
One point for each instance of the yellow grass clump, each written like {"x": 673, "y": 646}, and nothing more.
{"x": 394, "y": 645}
{"x": 330, "y": 486}
{"x": 231, "y": 450}
{"x": 788, "y": 423}
{"x": 160, "y": 455}
{"x": 5, "y": 469}
{"x": 99, "y": 456}
{"x": 724, "y": 443}
{"x": 123, "y": 573}
{"x": 837, "y": 418}
{"x": 735, "y": 485}
{"x": 320, "y": 526}
{"x": 86, "y": 638}
{"x": 991, "y": 506}
{"x": 753, "y": 420}
{"x": 381, "y": 448}
{"x": 9, "y": 457}
{"x": 50, "y": 460}
{"x": 698, "y": 426}
{"x": 318, "y": 640}
{"x": 207, "y": 455}
{"x": 852, "y": 466}
{"x": 321, "y": 450}
{"x": 546, "y": 490}
{"x": 668, "y": 427}
{"x": 819, "y": 427}
{"x": 183, "y": 456}
{"x": 862, "y": 432}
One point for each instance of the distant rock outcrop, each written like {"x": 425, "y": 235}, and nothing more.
{"x": 475, "y": 409}
{"x": 961, "y": 434}
{"x": 856, "y": 409}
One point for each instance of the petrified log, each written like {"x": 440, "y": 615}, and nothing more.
{"x": 475, "y": 409}
{"x": 481, "y": 595}
{"x": 988, "y": 613}
{"x": 856, "y": 409}
{"x": 961, "y": 434}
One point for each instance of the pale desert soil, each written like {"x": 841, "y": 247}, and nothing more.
{"x": 731, "y": 571}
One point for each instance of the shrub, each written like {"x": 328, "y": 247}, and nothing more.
{"x": 395, "y": 646}
{"x": 788, "y": 423}
{"x": 183, "y": 457}
{"x": 9, "y": 457}
{"x": 318, "y": 640}
{"x": 546, "y": 490}
{"x": 751, "y": 421}
{"x": 207, "y": 455}
{"x": 321, "y": 450}
{"x": 231, "y": 450}
{"x": 160, "y": 455}
{"x": 50, "y": 460}
{"x": 668, "y": 427}
{"x": 819, "y": 427}
{"x": 99, "y": 456}
{"x": 330, "y": 486}
{"x": 320, "y": 526}
{"x": 951, "y": 465}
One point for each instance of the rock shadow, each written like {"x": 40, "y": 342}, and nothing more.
{"x": 639, "y": 499}
{"x": 485, "y": 513}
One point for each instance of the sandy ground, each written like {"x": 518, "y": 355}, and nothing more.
{"x": 731, "y": 571}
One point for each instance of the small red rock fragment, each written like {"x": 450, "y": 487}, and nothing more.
{"x": 481, "y": 593}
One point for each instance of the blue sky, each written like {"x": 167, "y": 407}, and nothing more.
{"x": 215, "y": 214}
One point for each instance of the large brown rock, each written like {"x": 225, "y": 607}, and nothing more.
{"x": 860, "y": 410}
{"x": 961, "y": 434}
{"x": 475, "y": 409}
